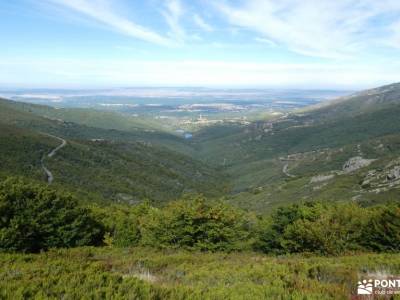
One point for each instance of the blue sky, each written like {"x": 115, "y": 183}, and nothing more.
{"x": 254, "y": 43}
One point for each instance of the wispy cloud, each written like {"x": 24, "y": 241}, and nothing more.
{"x": 172, "y": 14}
{"x": 324, "y": 28}
{"x": 265, "y": 41}
{"x": 103, "y": 12}
{"x": 199, "y": 21}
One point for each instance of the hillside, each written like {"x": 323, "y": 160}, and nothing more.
{"x": 101, "y": 164}
{"x": 87, "y": 124}
{"x": 367, "y": 101}
{"x": 302, "y": 155}
{"x": 89, "y": 117}
{"x": 21, "y": 151}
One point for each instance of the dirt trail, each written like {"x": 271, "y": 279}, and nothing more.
{"x": 49, "y": 175}
{"x": 285, "y": 171}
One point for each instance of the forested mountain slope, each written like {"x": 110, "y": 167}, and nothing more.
{"x": 346, "y": 149}
{"x": 304, "y": 155}
{"x": 99, "y": 163}
{"x": 367, "y": 101}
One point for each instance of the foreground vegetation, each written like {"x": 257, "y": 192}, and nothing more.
{"x": 192, "y": 248}
{"x": 35, "y": 217}
{"x": 144, "y": 273}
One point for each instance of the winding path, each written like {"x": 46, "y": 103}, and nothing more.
{"x": 49, "y": 175}
{"x": 286, "y": 172}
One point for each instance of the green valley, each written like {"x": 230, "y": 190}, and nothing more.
{"x": 298, "y": 156}
{"x": 102, "y": 164}
{"x": 288, "y": 206}
{"x": 200, "y": 150}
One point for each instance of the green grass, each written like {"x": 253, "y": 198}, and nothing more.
{"x": 142, "y": 273}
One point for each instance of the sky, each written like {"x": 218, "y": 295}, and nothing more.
{"x": 341, "y": 44}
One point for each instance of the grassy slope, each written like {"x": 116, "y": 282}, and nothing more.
{"x": 149, "y": 274}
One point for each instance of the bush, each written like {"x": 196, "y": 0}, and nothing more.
{"x": 382, "y": 233}
{"x": 322, "y": 228}
{"x": 272, "y": 228}
{"x": 337, "y": 229}
{"x": 34, "y": 218}
{"x": 196, "y": 225}
{"x": 122, "y": 223}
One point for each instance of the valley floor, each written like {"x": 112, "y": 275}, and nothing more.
{"x": 142, "y": 273}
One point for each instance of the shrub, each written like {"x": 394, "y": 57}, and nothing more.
{"x": 196, "y": 224}
{"x": 122, "y": 223}
{"x": 322, "y": 228}
{"x": 382, "y": 233}
{"x": 34, "y": 217}
{"x": 336, "y": 229}
{"x": 271, "y": 229}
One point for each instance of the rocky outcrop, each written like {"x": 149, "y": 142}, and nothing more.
{"x": 393, "y": 174}
{"x": 356, "y": 163}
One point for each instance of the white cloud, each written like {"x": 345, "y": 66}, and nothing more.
{"x": 201, "y": 23}
{"x": 102, "y": 12}
{"x": 172, "y": 14}
{"x": 323, "y": 28}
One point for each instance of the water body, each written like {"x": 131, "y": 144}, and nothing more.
{"x": 185, "y": 135}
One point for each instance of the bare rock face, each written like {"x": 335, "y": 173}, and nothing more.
{"x": 356, "y": 163}
{"x": 321, "y": 178}
{"x": 394, "y": 174}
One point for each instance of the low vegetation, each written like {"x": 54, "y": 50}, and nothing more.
{"x": 35, "y": 218}
{"x": 147, "y": 273}
{"x": 190, "y": 249}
